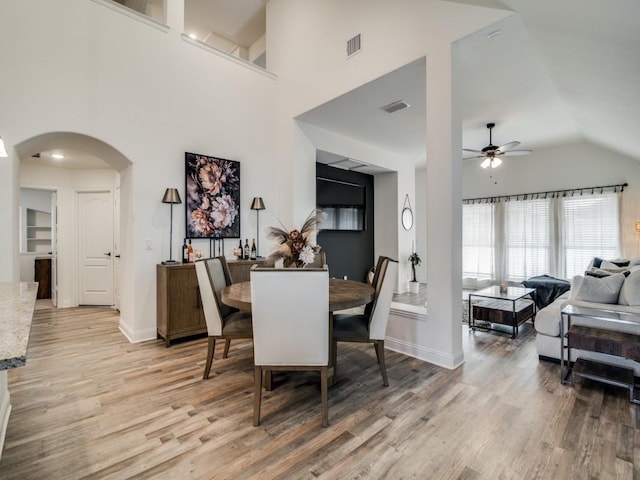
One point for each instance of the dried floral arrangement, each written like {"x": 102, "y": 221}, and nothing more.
{"x": 294, "y": 246}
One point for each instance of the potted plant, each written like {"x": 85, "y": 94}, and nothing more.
{"x": 415, "y": 260}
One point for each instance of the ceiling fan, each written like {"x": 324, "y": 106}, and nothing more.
{"x": 491, "y": 153}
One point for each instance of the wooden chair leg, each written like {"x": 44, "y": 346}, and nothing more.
{"x": 324, "y": 389}
{"x": 257, "y": 394}
{"x": 227, "y": 344}
{"x": 210, "y": 349}
{"x": 379, "y": 346}
{"x": 334, "y": 359}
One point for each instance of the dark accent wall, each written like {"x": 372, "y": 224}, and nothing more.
{"x": 349, "y": 253}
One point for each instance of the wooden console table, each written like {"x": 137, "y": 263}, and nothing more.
{"x": 601, "y": 340}
{"x": 179, "y": 310}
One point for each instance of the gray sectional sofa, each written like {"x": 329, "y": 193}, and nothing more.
{"x": 614, "y": 289}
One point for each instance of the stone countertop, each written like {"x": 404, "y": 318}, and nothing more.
{"x": 17, "y": 302}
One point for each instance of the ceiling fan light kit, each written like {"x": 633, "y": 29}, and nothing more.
{"x": 490, "y": 152}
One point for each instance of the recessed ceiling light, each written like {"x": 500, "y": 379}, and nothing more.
{"x": 193, "y": 36}
{"x": 57, "y": 156}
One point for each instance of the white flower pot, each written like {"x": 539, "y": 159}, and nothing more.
{"x": 414, "y": 287}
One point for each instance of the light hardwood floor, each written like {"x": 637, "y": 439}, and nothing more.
{"x": 89, "y": 404}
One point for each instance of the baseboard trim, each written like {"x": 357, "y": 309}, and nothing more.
{"x": 450, "y": 362}
{"x": 137, "y": 336}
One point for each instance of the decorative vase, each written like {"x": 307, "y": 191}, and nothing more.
{"x": 414, "y": 287}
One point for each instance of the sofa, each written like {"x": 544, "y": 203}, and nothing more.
{"x": 608, "y": 285}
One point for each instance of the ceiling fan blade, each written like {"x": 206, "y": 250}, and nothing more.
{"x": 507, "y": 146}
{"x": 475, "y": 156}
{"x": 515, "y": 153}
{"x": 472, "y": 151}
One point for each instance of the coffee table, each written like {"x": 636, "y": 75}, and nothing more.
{"x": 510, "y": 308}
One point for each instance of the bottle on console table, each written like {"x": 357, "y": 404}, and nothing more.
{"x": 239, "y": 253}
{"x": 247, "y": 252}
{"x": 253, "y": 250}
{"x": 185, "y": 252}
{"x": 190, "y": 250}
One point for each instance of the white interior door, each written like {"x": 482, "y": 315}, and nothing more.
{"x": 116, "y": 246}
{"x": 95, "y": 248}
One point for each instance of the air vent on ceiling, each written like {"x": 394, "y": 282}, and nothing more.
{"x": 395, "y": 106}
{"x": 353, "y": 45}
{"x": 37, "y": 155}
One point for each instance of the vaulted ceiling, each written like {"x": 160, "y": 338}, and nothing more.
{"x": 551, "y": 73}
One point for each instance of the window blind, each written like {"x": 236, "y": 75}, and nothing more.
{"x": 590, "y": 228}
{"x": 527, "y": 239}
{"x": 478, "y": 250}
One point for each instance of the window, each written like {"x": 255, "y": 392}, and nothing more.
{"x": 527, "y": 239}
{"x": 590, "y": 229}
{"x": 508, "y": 239}
{"x": 478, "y": 241}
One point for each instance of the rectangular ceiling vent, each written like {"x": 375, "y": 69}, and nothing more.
{"x": 353, "y": 46}
{"x": 395, "y": 106}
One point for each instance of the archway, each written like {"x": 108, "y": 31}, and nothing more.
{"x": 68, "y": 183}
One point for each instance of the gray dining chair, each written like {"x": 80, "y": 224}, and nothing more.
{"x": 370, "y": 326}
{"x": 223, "y": 322}
{"x": 290, "y": 326}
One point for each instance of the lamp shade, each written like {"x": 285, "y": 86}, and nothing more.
{"x": 171, "y": 195}
{"x": 257, "y": 204}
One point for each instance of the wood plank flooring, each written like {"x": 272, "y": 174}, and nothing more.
{"x": 89, "y": 404}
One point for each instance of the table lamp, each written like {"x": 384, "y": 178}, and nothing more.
{"x": 257, "y": 205}
{"x": 171, "y": 196}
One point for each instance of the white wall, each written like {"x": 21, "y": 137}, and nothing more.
{"x": 151, "y": 96}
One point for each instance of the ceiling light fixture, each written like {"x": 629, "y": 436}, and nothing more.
{"x": 3, "y": 151}
{"x": 492, "y": 162}
{"x": 57, "y": 156}
{"x": 193, "y": 36}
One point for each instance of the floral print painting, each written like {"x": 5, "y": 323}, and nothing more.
{"x": 213, "y": 197}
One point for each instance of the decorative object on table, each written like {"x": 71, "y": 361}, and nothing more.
{"x": 172, "y": 197}
{"x": 212, "y": 188}
{"x": 415, "y": 260}
{"x": 257, "y": 204}
{"x": 407, "y": 214}
{"x": 504, "y": 288}
{"x": 294, "y": 246}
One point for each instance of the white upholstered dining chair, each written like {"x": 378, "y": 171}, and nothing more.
{"x": 370, "y": 326}
{"x": 223, "y": 322}
{"x": 290, "y": 326}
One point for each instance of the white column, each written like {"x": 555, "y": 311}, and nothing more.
{"x": 174, "y": 13}
{"x": 9, "y": 213}
{"x": 444, "y": 211}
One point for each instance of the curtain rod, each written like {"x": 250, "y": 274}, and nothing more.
{"x": 552, "y": 193}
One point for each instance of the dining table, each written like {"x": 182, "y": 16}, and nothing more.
{"x": 343, "y": 294}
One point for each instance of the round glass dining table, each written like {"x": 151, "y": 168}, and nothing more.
{"x": 343, "y": 294}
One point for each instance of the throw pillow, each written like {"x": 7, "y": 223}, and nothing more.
{"x": 600, "y": 290}
{"x": 597, "y": 272}
{"x": 596, "y": 262}
{"x": 576, "y": 281}
{"x": 630, "y": 291}
{"x": 621, "y": 262}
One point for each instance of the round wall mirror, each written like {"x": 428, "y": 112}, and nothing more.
{"x": 407, "y": 218}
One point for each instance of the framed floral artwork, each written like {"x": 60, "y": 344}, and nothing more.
{"x": 212, "y": 190}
